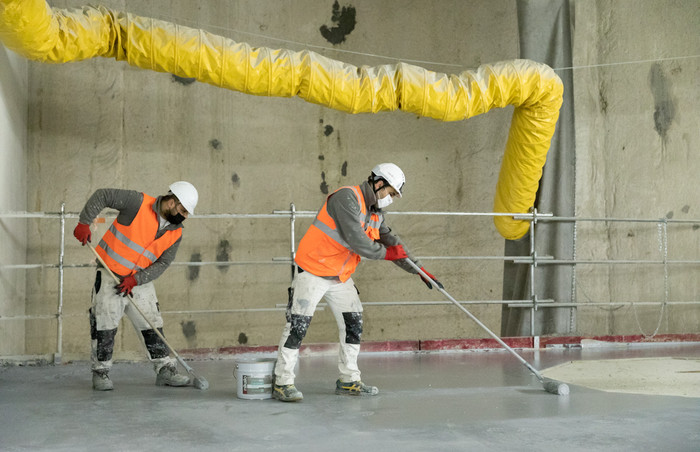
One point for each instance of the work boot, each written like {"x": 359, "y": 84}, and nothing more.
{"x": 101, "y": 381}
{"x": 286, "y": 393}
{"x": 168, "y": 376}
{"x": 354, "y": 388}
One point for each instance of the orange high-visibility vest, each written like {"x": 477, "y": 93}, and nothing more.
{"x": 127, "y": 249}
{"x": 323, "y": 252}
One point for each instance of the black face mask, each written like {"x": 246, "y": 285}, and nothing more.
{"x": 175, "y": 219}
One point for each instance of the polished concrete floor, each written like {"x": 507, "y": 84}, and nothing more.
{"x": 483, "y": 400}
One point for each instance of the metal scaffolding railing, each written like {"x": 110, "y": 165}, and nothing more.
{"x": 534, "y": 260}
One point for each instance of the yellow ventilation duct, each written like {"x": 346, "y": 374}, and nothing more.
{"x": 38, "y": 32}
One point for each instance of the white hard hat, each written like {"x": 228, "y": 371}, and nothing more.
{"x": 392, "y": 174}
{"x": 186, "y": 194}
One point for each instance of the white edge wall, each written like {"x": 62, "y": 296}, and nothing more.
{"x": 13, "y": 198}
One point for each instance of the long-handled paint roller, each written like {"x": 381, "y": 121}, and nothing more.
{"x": 552, "y": 386}
{"x": 197, "y": 381}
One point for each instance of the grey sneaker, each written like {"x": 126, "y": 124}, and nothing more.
{"x": 101, "y": 381}
{"x": 286, "y": 393}
{"x": 168, "y": 376}
{"x": 354, "y": 388}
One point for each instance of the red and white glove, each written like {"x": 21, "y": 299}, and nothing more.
{"x": 394, "y": 253}
{"x": 127, "y": 284}
{"x": 428, "y": 283}
{"x": 82, "y": 233}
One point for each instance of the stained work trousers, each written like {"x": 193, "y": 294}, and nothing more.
{"x": 344, "y": 302}
{"x": 107, "y": 310}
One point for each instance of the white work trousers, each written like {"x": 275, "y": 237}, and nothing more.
{"x": 341, "y": 298}
{"x": 108, "y": 308}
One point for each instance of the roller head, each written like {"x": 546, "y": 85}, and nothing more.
{"x": 203, "y": 384}
{"x": 555, "y": 387}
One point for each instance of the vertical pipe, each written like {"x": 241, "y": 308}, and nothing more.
{"x": 666, "y": 288}
{"x": 533, "y": 254}
{"x": 572, "y": 310}
{"x": 59, "y": 316}
{"x": 292, "y": 221}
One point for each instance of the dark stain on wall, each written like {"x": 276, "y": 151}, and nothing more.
{"x": 193, "y": 270}
{"x": 189, "y": 329}
{"x": 324, "y": 185}
{"x": 344, "y": 20}
{"x": 215, "y": 144}
{"x": 327, "y": 130}
{"x": 242, "y": 339}
{"x": 223, "y": 254}
{"x": 664, "y": 107}
{"x": 235, "y": 180}
{"x": 344, "y": 169}
{"x": 183, "y": 80}
{"x": 603, "y": 97}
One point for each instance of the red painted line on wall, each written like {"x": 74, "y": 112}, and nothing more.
{"x": 391, "y": 346}
{"x": 635, "y": 338}
{"x": 442, "y": 344}
{"x": 475, "y": 344}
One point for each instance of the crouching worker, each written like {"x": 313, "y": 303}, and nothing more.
{"x": 139, "y": 245}
{"x": 350, "y": 225}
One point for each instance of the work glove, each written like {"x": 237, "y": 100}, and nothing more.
{"x": 82, "y": 233}
{"x": 428, "y": 283}
{"x": 394, "y": 253}
{"x": 124, "y": 288}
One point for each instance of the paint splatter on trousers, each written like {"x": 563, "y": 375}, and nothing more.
{"x": 106, "y": 312}
{"x": 344, "y": 301}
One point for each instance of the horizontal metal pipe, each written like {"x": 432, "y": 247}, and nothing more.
{"x": 611, "y": 220}
{"x": 224, "y": 311}
{"x": 285, "y": 260}
{"x": 224, "y": 263}
{"x": 311, "y": 213}
{"x": 29, "y": 317}
{"x": 30, "y": 266}
{"x": 429, "y": 303}
{"x": 615, "y": 303}
{"x": 611, "y": 262}
{"x": 546, "y": 303}
{"x": 541, "y": 260}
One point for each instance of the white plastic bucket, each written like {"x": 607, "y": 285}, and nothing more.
{"x": 254, "y": 378}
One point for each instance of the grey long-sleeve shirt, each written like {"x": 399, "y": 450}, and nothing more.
{"x": 345, "y": 210}
{"x": 128, "y": 203}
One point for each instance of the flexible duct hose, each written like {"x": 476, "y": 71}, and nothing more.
{"x": 38, "y": 32}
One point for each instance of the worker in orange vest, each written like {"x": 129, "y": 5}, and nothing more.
{"x": 139, "y": 246}
{"x": 349, "y": 225}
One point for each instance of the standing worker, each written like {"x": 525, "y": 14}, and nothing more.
{"x": 349, "y": 226}
{"x": 139, "y": 245}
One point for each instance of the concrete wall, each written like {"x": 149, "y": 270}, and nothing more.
{"x": 101, "y": 123}
{"x": 13, "y": 198}
{"x": 638, "y": 137}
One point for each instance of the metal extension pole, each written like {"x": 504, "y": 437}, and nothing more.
{"x": 59, "y": 317}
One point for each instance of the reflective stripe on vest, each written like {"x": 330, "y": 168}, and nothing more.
{"x": 325, "y": 223}
{"x": 323, "y": 252}
{"x": 127, "y": 249}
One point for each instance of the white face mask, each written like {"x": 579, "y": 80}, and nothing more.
{"x": 385, "y": 201}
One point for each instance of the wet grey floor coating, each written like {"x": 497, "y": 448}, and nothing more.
{"x": 477, "y": 401}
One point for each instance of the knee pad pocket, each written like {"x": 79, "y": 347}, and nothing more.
{"x": 299, "y": 324}
{"x": 154, "y": 344}
{"x": 353, "y": 327}
{"x": 105, "y": 344}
